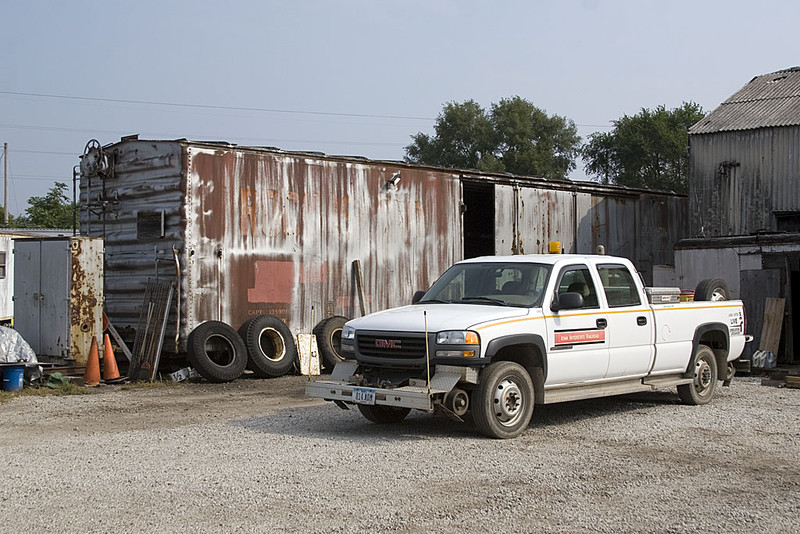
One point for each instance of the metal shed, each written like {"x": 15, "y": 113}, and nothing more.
{"x": 744, "y": 199}
{"x": 249, "y": 230}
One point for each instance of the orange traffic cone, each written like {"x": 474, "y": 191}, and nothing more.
{"x": 110, "y": 370}
{"x": 92, "y": 375}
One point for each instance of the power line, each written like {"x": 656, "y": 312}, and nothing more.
{"x": 238, "y": 108}
{"x": 208, "y": 106}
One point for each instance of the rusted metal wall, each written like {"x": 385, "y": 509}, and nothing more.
{"x": 125, "y": 206}
{"x": 85, "y": 296}
{"x": 278, "y": 233}
{"x": 246, "y": 231}
{"x": 635, "y": 224}
{"x": 262, "y": 231}
{"x": 739, "y": 179}
{"x": 58, "y": 287}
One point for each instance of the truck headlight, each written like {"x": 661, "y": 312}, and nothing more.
{"x": 457, "y": 337}
{"x": 348, "y": 332}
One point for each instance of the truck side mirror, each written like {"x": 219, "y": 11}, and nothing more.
{"x": 568, "y": 301}
{"x": 417, "y": 297}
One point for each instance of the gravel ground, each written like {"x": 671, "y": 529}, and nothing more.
{"x": 256, "y": 456}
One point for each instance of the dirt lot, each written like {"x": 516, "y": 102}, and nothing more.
{"x": 256, "y": 456}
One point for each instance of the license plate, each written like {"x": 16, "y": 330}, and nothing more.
{"x": 364, "y": 395}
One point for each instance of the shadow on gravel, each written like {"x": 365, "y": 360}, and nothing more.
{"x": 331, "y": 422}
{"x": 569, "y": 412}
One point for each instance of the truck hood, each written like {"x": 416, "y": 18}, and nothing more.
{"x": 440, "y": 317}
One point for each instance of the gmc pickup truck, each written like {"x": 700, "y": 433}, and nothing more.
{"x": 496, "y": 335}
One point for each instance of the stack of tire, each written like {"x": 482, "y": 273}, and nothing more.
{"x": 263, "y": 344}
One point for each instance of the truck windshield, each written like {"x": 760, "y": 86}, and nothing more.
{"x": 501, "y": 284}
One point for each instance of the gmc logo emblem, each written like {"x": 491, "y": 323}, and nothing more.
{"x": 387, "y": 343}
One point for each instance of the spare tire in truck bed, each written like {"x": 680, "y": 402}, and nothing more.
{"x": 712, "y": 289}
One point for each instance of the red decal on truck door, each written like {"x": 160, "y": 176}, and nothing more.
{"x": 579, "y": 337}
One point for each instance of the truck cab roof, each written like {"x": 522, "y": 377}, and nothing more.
{"x": 550, "y": 259}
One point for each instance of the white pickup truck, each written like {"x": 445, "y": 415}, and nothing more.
{"x": 496, "y": 335}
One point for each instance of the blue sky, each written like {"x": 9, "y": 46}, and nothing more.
{"x": 354, "y": 77}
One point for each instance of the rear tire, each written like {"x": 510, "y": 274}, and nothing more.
{"x": 701, "y": 391}
{"x": 713, "y": 289}
{"x": 329, "y": 340}
{"x": 383, "y": 415}
{"x": 502, "y": 404}
{"x": 217, "y": 352}
{"x": 271, "y": 350}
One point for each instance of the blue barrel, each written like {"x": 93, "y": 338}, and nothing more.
{"x": 12, "y": 377}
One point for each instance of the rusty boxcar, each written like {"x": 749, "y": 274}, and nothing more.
{"x": 246, "y": 232}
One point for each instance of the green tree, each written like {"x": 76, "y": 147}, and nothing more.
{"x": 515, "y": 136}
{"x": 533, "y": 143}
{"x": 54, "y": 210}
{"x": 464, "y": 139}
{"x": 12, "y": 221}
{"x": 648, "y": 150}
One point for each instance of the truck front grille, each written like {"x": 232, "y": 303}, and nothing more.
{"x": 391, "y": 346}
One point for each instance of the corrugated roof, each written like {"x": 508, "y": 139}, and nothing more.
{"x": 769, "y": 100}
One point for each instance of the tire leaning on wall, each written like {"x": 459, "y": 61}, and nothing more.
{"x": 329, "y": 340}
{"x": 216, "y": 351}
{"x": 271, "y": 349}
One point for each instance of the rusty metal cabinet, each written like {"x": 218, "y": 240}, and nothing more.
{"x": 58, "y": 295}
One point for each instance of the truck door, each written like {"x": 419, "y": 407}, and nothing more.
{"x": 577, "y": 341}
{"x": 631, "y": 333}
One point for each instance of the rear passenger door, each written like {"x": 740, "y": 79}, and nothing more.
{"x": 577, "y": 343}
{"x": 630, "y": 329}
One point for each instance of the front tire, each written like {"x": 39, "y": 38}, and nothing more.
{"x": 383, "y": 415}
{"x": 702, "y": 389}
{"x": 503, "y": 402}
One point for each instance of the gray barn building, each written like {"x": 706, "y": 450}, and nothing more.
{"x": 744, "y": 200}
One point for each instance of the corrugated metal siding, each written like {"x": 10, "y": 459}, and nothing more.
{"x": 739, "y": 179}
{"x": 506, "y": 229}
{"x": 277, "y": 234}
{"x": 147, "y": 178}
{"x": 639, "y": 225}
{"x": 544, "y": 216}
{"x": 264, "y": 231}
{"x": 769, "y": 100}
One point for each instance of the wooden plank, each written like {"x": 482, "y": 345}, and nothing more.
{"x": 754, "y": 286}
{"x": 773, "y": 325}
{"x": 360, "y": 286}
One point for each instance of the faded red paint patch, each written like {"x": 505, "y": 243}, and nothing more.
{"x": 274, "y": 280}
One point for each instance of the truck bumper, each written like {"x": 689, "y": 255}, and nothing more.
{"x": 341, "y": 387}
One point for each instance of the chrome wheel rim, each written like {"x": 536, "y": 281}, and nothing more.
{"x": 508, "y": 402}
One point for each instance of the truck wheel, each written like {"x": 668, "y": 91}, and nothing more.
{"x": 503, "y": 402}
{"x": 271, "y": 350}
{"x": 383, "y": 415}
{"x": 217, "y": 352}
{"x": 712, "y": 289}
{"x": 329, "y": 340}
{"x": 702, "y": 389}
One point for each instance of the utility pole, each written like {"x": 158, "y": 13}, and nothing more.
{"x": 5, "y": 188}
